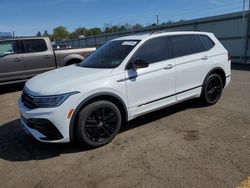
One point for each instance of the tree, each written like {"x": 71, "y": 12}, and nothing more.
{"x": 127, "y": 26}
{"x": 169, "y": 22}
{"x": 107, "y": 29}
{"x": 60, "y": 33}
{"x": 122, "y": 28}
{"x": 80, "y": 31}
{"x": 38, "y": 34}
{"x": 95, "y": 31}
{"x": 137, "y": 27}
{"x": 46, "y": 34}
{"x": 114, "y": 28}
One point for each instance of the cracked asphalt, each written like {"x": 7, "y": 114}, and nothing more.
{"x": 185, "y": 145}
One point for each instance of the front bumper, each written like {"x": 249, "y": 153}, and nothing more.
{"x": 56, "y": 117}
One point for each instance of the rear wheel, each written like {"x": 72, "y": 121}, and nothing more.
{"x": 212, "y": 89}
{"x": 98, "y": 123}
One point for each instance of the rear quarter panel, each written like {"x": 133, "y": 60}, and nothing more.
{"x": 219, "y": 56}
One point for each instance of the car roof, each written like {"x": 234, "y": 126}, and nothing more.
{"x": 133, "y": 37}
{"x": 159, "y": 33}
{"x": 22, "y": 38}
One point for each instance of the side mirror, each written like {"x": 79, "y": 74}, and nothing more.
{"x": 139, "y": 63}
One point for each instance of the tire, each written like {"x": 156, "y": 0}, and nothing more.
{"x": 74, "y": 61}
{"x": 98, "y": 123}
{"x": 212, "y": 89}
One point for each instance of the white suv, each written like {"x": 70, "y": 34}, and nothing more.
{"x": 125, "y": 78}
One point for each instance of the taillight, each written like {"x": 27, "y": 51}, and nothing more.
{"x": 228, "y": 57}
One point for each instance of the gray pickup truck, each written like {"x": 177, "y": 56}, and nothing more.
{"x": 23, "y": 58}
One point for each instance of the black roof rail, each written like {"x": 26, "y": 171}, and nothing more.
{"x": 169, "y": 30}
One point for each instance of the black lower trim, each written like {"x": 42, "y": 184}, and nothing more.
{"x": 45, "y": 127}
{"x": 169, "y": 96}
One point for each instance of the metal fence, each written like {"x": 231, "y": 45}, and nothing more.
{"x": 230, "y": 29}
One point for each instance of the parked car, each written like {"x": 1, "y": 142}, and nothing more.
{"x": 23, "y": 58}
{"x": 124, "y": 79}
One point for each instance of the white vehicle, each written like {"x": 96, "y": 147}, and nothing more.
{"x": 125, "y": 78}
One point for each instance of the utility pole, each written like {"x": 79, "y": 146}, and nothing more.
{"x": 111, "y": 26}
{"x": 157, "y": 19}
{"x": 247, "y": 34}
{"x": 243, "y": 14}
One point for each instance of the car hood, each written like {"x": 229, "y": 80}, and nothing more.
{"x": 64, "y": 79}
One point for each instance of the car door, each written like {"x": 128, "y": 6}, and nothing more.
{"x": 11, "y": 61}
{"x": 192, "y": 61}
{"x": 38, "y": 57}
{"x": 154, "y": 86}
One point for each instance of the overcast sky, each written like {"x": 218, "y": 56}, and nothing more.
{"x": 27, "y": 17}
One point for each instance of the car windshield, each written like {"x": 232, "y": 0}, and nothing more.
{"x": 110, "y": 55}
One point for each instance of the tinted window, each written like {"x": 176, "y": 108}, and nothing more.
{"x": 186, "y": 45}
{"x": 154, "y": 50}
{"x": 110, "y": 55}
{"x": 35, "y": 45}
{"x": 207, "y": 41}
{"x": 8, "y": 47}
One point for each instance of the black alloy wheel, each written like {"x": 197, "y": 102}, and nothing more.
{"x": 98, "y": 124}
{"x": 212, "y": 90}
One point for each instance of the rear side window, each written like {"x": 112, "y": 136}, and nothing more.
{"x": 186, "y": 45}
{"x": 207, "y": 41}
{"x": 8, "y": 48}
{"x": 35, "y": 45}
{"x": 154, "y": 50}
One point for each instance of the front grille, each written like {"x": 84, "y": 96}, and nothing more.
{"x": 28, "y": 100}
{"x": 45, "y": 127}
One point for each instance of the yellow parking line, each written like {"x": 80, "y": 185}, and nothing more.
{"x": 245, "y": 183}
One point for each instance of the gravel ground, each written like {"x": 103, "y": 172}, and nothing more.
{"x": 185, "y": 145}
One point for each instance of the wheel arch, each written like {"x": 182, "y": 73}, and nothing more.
{"x": 220, "y": 72}
{"x": 72, "y": 61}
{"x": 111, "y": 97}
{"x": 71, "y": 57}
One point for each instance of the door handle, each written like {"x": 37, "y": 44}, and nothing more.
{"x": 204, "y": 58}
{"x": 47, "y": 56}
{"x": 169, "y": 66}
{"x": 17, "y": 60}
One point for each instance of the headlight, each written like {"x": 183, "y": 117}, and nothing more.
{"x": 52, "y": 100}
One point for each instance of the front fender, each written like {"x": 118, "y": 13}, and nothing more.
{"x": 85, "y": 101}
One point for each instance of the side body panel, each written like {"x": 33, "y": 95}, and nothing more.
{"x": 190, "y": 73}
{"x": 12, "y": 68}
{"x": 64, "y": 56}
{"x": 39, "y": 62}
{"x": 11, "y": 61}
{"x": 150, "y": 88}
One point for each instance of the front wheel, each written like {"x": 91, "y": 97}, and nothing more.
{"x": 212, "y": 89}
{"x": 98, "y": 123}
